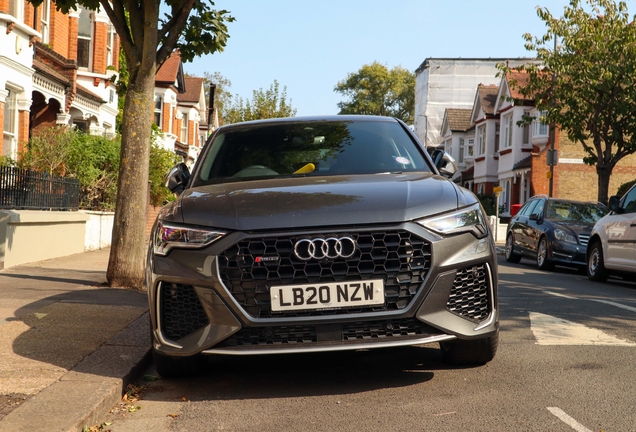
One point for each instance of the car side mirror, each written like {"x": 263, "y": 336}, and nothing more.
{"x": 614, "y": 203}
{"x": 178, "y": 178}
{"x": 534, "y": 216}
{"x": 444, "y": 162}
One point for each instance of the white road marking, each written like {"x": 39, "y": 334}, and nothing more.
{"x": 618, "y": 305}
{"x": 550, "y": 330}
{"x": 568, "y": 420}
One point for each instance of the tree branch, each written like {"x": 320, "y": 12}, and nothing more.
{"x": 117, "y": 16}
{"x": 172, "y": 30}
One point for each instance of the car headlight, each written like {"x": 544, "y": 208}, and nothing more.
{"x": 565, "y": 236}
{"x": 169, "y": 236}
{"x": 470, "y": 219}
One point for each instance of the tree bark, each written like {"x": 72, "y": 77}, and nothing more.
{"x": 603, "y": 173}
{"x": 128, "y": 246}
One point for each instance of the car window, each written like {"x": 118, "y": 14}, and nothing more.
{"x": 526, "y": 210}
{"x": 310, "y": 148}
{"x": 567, "y": 211}
{"x": 629, "y": 202}
{"x": 539, "y": 208}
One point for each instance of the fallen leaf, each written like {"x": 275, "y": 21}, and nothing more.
{"x": 183, "y": 398}
{"x": 173, "y": 415}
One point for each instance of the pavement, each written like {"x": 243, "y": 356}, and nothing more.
{"x": 69, "y": 345}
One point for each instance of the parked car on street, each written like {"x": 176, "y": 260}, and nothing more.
{"x": 552, "y": 231}
{"x": 612, "y": 246}
{"x": 320, "y": 234}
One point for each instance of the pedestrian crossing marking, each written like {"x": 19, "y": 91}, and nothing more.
{"x": 550, "y": 330}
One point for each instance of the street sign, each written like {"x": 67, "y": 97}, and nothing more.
{"x": 497, "y": 189}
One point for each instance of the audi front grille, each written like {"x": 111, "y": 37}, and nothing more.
{"x": 401, "y": 258}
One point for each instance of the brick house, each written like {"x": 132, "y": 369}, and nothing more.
{"x": 180, "y": 110}
{"x": 486, "y": 147}
{"x": 56, "y": 69}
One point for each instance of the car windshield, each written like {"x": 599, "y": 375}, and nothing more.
{"x": 310, "y": 148}
{"x": 575, "y": 212}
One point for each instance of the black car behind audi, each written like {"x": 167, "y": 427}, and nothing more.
{"x": 319, "y": 234}
{"x": 552, "y": 231}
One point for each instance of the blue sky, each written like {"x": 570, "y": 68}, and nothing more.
{"x": 308, "y": 45}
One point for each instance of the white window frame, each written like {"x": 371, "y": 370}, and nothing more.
{"x": 183, "y": 137}
{"x": 526, "y": 132}
{"x": 540, "y": 129}
{"x": 45, "y": 21}
{"x": 110, "y": 42}
{"x": 497, "y": 135}
{"x": 461, "y": 150}
{"x": 91, "y": 17}
{"x": 16, "y": 9}
{"x": 11, "y": 117}
{"x": 481, "y": 139}
{"x": 158, "y": 99}
{"x": 507, "y": 131}
{"x": 470, "y": 148}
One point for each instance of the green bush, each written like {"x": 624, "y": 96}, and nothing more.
{"x": 94, "y": 161}
{"x": 488, "y": 202}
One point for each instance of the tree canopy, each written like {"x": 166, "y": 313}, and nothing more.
{"x": 270, "y": 103}
{"x": 587, "y": 86}
{"x": 376, "y": 89}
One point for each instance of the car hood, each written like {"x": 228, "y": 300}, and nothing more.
{"x": 318, "y": 201}
{"x": 577, "y": 227}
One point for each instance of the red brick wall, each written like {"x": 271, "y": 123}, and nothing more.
{"x": 23, "y": 130}
{"x": 28, "y": 14}
{"x": 191, "y": 134}
{"x": 116, "y": 52}
{"x": 151, "y": 215}
{"x": 165, "y": 122}
{"x": 99, "y": 47}
{"x": 60, "y": 37}
{"x": 4, "y": 7}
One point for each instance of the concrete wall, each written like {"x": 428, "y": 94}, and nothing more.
{"x": 28, "y": 235}
{"x": 99, "y": 230}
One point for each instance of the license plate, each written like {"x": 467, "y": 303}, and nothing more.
{"x": 327, "y": 295}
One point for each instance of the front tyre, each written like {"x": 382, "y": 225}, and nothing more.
{"x": 542, "y": 255}
{"x": 470, "y": 352}
{"x": 595, "y": 267}
{"x": 511, "y": 256}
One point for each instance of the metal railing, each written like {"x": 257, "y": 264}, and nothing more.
{"x": 31, "y": 190}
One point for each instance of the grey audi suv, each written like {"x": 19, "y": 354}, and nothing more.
{"x": 319, "y": 234}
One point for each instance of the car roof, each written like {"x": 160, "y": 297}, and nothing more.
{"x": 305, "y": 119}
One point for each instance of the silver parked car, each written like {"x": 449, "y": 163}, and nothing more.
{"x": 612, "y": 245}
{"x": 319, "y": 234}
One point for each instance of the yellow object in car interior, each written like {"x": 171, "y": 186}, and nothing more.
{"x": 306, "y": 169}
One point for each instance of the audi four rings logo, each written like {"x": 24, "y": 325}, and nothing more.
{"x": 319, "y": 248}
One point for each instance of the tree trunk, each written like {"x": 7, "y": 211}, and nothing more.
{"x": 128, "y": 246}
{"x": 604, "y": 173}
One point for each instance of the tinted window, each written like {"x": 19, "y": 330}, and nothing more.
{"x": 526, "y": 210}
{"x": 629, "y": 202}
{"x": 574, "y": 212}
{"x": 539, "y": 208}
{"x": 310, "y": 148}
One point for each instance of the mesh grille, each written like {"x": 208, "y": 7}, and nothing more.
{"x": 181, "y": 311}
{"x": 469, "y": 295}
{"x": 365, "y": 330}
{"x": 400, "y": 258}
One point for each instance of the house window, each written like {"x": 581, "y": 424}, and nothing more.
{"x": 110, "y": 38}
{"x": 85, "y": 39}
{"x": 158, "y": 108}
{"x": 497, "y": 137}
{"x": 16, "y": 8}
{"x": 470, "y": 148}
{"x": 507, "y": 138}
{"x": 461, "y": 150}
{"x": 184, "y": 129}
{"x": 171, "y": 119}
{"x": 538, "y": 127}
{"x": 45, "y": 20}
{"x": 81, "y": 125}
{"x": 10, "y": 127}
{"x": 481, "y": 139}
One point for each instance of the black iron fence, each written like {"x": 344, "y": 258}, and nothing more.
{"x": 32, "y": 190}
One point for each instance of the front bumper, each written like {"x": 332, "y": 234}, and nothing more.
{"x": 456, "y": 297}
{"x": 568, "y": 254}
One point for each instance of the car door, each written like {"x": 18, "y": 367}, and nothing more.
{"x": 534, "y": 226}
{"x": 620, "y": 229}
{"x": 519, "y": 224}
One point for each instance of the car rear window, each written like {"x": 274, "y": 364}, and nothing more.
{"x": 310, "y": 148}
